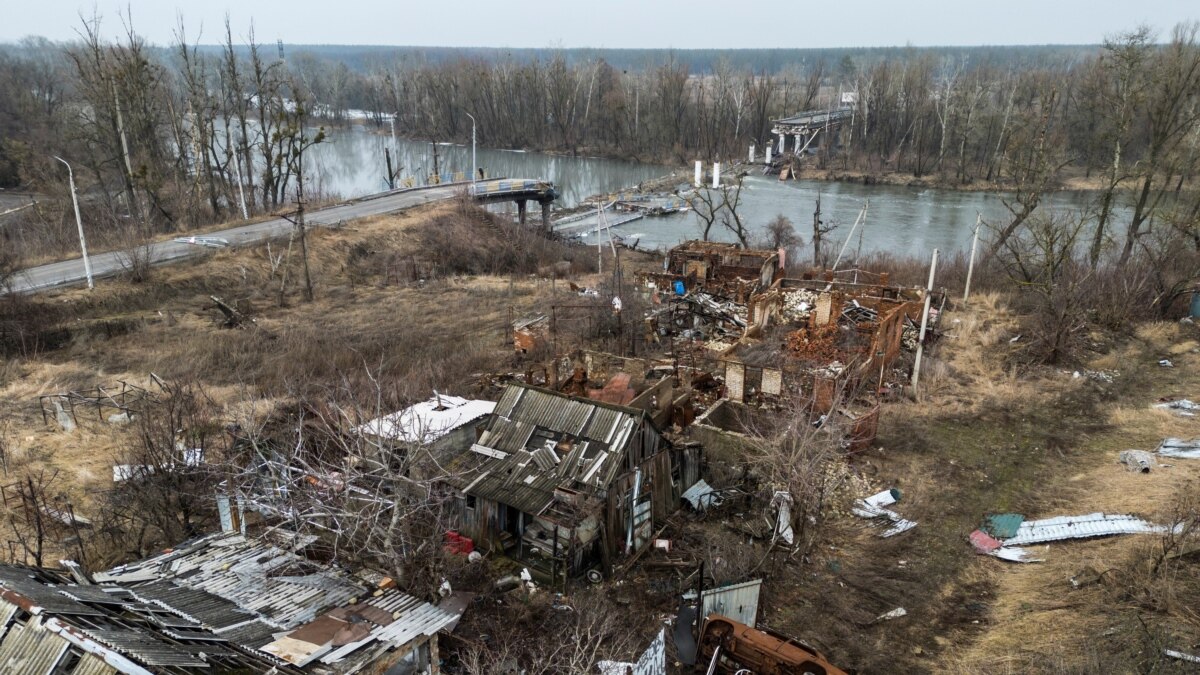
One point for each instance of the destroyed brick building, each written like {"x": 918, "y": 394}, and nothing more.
{"x": 566, "y": 484}
{"x": 695, "y": 264}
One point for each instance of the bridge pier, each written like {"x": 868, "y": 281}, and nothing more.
{"x": 546, "y": 216}
{"x": 521, "y": 208}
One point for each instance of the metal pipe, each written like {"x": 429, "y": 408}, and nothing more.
{"x": 87, "y": 263}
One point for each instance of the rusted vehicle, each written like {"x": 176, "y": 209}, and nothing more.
{"x": 739, "y": 648}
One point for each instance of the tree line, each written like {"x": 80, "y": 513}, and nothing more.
{"x": 170, "y": 137}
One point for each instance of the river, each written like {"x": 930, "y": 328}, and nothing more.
{"x": 900, "y": 220}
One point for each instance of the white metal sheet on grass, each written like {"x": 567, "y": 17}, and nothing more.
{"x": 1080, "y": 527}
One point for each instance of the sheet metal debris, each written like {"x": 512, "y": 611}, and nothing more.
{"x": 653, "y": 661}
{"x": 872, "y": 508}
{"x": 1050, "y": 529}
{"x": 988, "y": 545}
{"x": 1080, "y": 527}
{"x": 702, "y": 496}
{"x": 984, "y": 542}
{"x": 1137, "y": 460}
{"x": 1015, "y": 554}
{"x": 782, "y": 501}
{"x": 1182, "y": 656}
{"x": 894, "y": 614}
{"x": 1177, "y": 447}
{"x": 1182, "y": 407}
{"x": 1003, "y": 525}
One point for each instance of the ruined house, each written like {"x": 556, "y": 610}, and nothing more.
{"x": 565, "y": 484}
{"x": 437, "y": 426}
{"x": 728, "y": 268}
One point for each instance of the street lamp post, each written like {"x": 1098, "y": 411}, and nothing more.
{"x": 87, "y": 263}
{"x": 474, "y": 171}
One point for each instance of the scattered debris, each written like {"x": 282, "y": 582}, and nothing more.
{"x": 984, "y": 542}
{"x": 1080, "y": 527}
{"x": 1015, "y": 554}
{"x": 1009, "y": 547}
{"x": 1177, "y": 447}
{"x": 1182, "y": 407}
{"x": 1137, "y": 460}
{"x": 702, "y": 496}
{"x": 1182, "y": 656}
{"x": 206, "y": 242}
{"x": 530, "y": 333}
{"x": 233, "y": 317}
{"x": 653, "y": 661}
{"x": 988, "y": 545}
{"x": 894, "y": 614}
{"x": 872, "y": 508}
{"x": 782, "y": 501}
{"x": 1166, "y": 363}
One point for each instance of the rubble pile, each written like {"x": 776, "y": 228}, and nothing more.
{"x": 817, "y": 344}
{"x": 798, "y": 305}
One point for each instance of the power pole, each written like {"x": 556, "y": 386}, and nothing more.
{"x": 87, "y": 262}
{"x": 308, "y": 290}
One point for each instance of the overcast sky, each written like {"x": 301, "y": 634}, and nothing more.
{"x": 613, "y": 23}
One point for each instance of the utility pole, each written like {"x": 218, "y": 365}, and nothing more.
{"x": 474, "y": 171}
{"x": 308, "y": 291}
{"x": 971, "y": 264}
{"x": 87, "y": 263}
{"x": 924, "y": 322}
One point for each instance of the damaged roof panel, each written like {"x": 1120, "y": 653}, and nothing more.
{"x": 1079, "y": 527}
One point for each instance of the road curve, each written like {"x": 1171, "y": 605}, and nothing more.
{"x": 71, "y": 272}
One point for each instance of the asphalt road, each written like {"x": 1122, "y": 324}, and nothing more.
{"x": 71, "y": 272}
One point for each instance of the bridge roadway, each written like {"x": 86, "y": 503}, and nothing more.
{"x": 71, "y": 272}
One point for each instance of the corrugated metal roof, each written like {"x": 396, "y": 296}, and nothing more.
{"x": 253, "y": 634}
{"x": 1079, "y": 527}
{"x": 119, "y": 626}
{"x": 531, "y": 426}
{"x": 103, "y": 595}
{"x": 91, "y": 664}
{"x": 30, "y": 648}
{"x": 21, "y": 581}
{"x": 201, "y": 607}
{"x": 147, "y": 648}
{"x": 252, "y": 575}
{"x": 507, "y": 435}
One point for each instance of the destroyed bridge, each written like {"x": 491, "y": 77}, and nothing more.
{"x": 520, "y": 191}
{"x": 806, "y": 126}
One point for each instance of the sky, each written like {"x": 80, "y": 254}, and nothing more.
{"x": 679, "y": 24}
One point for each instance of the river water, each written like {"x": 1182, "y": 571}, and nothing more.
{"x": 900, "y": 220}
